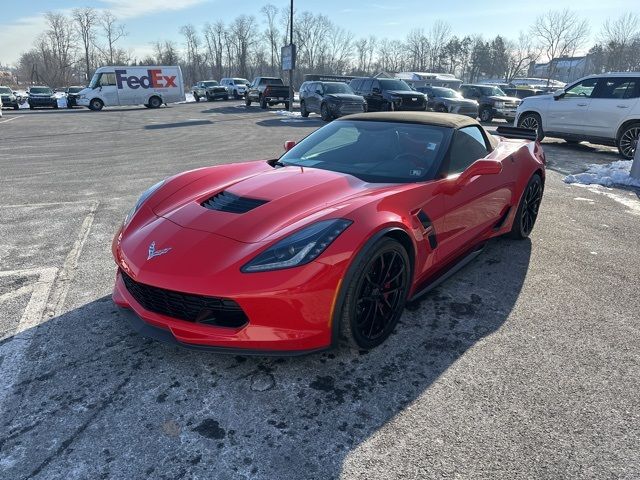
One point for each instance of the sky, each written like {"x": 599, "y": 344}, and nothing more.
{"x": 149, "y": 20}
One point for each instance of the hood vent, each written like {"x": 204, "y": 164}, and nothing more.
{"x": 228, "y": 202}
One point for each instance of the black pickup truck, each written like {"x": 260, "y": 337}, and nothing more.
{"x": 267, "y": 91}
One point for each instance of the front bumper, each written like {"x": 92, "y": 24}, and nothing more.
{"x": 342, "y": 109}
{"x": 8, "y": 103}
{"x": 506, "y": 113}
{"x": 43, "y": 102}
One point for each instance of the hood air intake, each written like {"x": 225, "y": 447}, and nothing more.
{"x": 228, "y": 202}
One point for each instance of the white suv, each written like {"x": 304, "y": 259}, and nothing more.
{"x": 235, "y": 86}
{"x": 602, "y": 109}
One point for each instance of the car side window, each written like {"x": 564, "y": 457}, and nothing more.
{"x": 366, "y": 85}
{"x": 107, "y": 79}
{"x": 376, "y": 84}
{"x": 355, "y": 84}
{"x": 467, "y": 147}
{"x": 617, "y": 87}
{"x": 582, "y": 89}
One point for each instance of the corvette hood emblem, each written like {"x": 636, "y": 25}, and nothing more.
{"x": 156, "y": 253}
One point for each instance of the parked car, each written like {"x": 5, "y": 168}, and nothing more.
{"x": 330, "y": 99}
{"x": 493, "y": 102}
{"x": 447, "y": 100}
{"x": 209, "y": 89}
{"x": 267, "y": 91}
{"x": 328, "y": 242}
{"x": 522, "y": 93}
{"x": 388, "y": 94}
{"x": 150, "y": 86}
{"x": 0, "y": 106}
{"x": 72, "y": 95}
{"x": 9, "y": 99}
{"x": 42, "y": 97}
{"x": 603, "y": 109}
{"x": 235, "y": 86}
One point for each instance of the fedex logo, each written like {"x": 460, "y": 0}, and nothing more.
{"x": 153, "y": 79}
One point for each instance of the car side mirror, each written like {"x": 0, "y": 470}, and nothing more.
{"x": 289, "y": 144}
{"x": 318, "y": 91}
{"x": 375, "y": 90}
{"x": 558, "y": 94}
{"x": 479, "y": 167}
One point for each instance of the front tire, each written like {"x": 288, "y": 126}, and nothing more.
{"x": 485, "y": 114}
{"x": 96, "y": 105}
{"x": 325, "y": 113}
{"x": 263, "y": 103}
{"x": 628, "y": 140}
{"x": 527, "y": 212}
{"x": 196, "y": 97}
{"x": 532, "y": 121}
{"x": 376, "y": 295}
{"x": 303, "y": 110}
{"x": 247, "y": 102}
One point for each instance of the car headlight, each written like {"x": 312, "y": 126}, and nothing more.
{"x": 146, "y": 194}
{"x": 499, "y": 104}
{"x": 299, "y": 248}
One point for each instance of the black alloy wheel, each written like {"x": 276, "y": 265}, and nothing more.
{"x": 485, "y": 114}
{"x": 376, "y": 296}
{"x": 527, "y": 212}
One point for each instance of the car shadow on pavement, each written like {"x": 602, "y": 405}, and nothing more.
{"x": 284, "y": 121}
{"x": 95, "y": 400}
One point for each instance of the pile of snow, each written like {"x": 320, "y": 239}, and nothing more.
{"x": 188, "y": 98}
{"x": 616, "y": 173}
{"x": 286, "y": 113}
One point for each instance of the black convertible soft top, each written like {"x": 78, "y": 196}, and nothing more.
{"x": 450, "y": 120}
{"x": 447, "y": 120}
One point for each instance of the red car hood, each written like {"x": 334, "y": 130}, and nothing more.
{"x": 291, "y": 194}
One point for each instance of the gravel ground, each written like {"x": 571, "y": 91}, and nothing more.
{"x": 523, "y": 365}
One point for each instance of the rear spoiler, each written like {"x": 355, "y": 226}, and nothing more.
{"x": 517, "y": 132}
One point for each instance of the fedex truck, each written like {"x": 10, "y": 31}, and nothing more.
{"x": 150, "y": 86}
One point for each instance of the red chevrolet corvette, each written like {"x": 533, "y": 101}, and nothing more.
{"x": 329, "y": 241}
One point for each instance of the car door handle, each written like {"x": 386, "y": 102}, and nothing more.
{"x": 582, "y": 104}
{"x": 622, "y": 106}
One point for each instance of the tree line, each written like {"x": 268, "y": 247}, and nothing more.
{"x": 74, "y": 45}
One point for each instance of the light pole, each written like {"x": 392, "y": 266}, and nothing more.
{"x": 292, "y": 59}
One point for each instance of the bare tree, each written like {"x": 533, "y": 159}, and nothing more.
{"x": 214, "y": 37}
{"x": 193, "y": 56}
{"x": 559, "y": 33}
{"x": 241, "y": 35}
{"x": 113, "y": 31}
{"x": 85, "y": 22}
{"x": 271, "y": 34}
{"x": 520, "y": 54}
{"x": 620, "y": 39}
{"x": 439, "y": 36}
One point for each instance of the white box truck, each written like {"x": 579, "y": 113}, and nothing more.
{"x": 150, "y": 86}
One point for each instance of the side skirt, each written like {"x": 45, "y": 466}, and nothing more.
{"x": 446, "y": 274}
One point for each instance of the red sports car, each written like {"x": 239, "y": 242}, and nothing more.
{"x": 327, "y": 242}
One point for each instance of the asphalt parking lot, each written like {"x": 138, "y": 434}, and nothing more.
{"x": 524, "y": 365}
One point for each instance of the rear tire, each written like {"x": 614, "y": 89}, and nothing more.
{"x": 263, "y": 103}
{"x": 527, "y": 213}
{"x": 532, "y": 121}
{"x": 247, "y": 102}
{"x": 286, "y": 105}
{"x": 627, "y": 141}
{"x": 376, "y": 295}
{"x": 155, "y": 102}
{"x": 96, "y": 105}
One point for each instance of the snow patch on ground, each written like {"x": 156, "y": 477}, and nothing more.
{"x": 616, "y": 173}
{"x": 189, "y": 98}
{"x": 286, "y": 113}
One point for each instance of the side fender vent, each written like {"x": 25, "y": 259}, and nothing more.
{"x": 428, "y": 228}
{"x": 228, "y": 202}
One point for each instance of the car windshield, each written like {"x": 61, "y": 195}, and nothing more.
{"x": 211, "y": 83}
{"x": 445, "y": 93}
{"x": 377, "y": 152}
{"x": 75, "y": 89}
{"x": 389, "y": 84}
{"x": 492, "y": 91}
{"x": 240, "y": 81}
{"x": 43, "y": 90}
{"x": 337, "y": 88}
{"x": 272, "y": 81}
{"x": 5, "y": 90}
